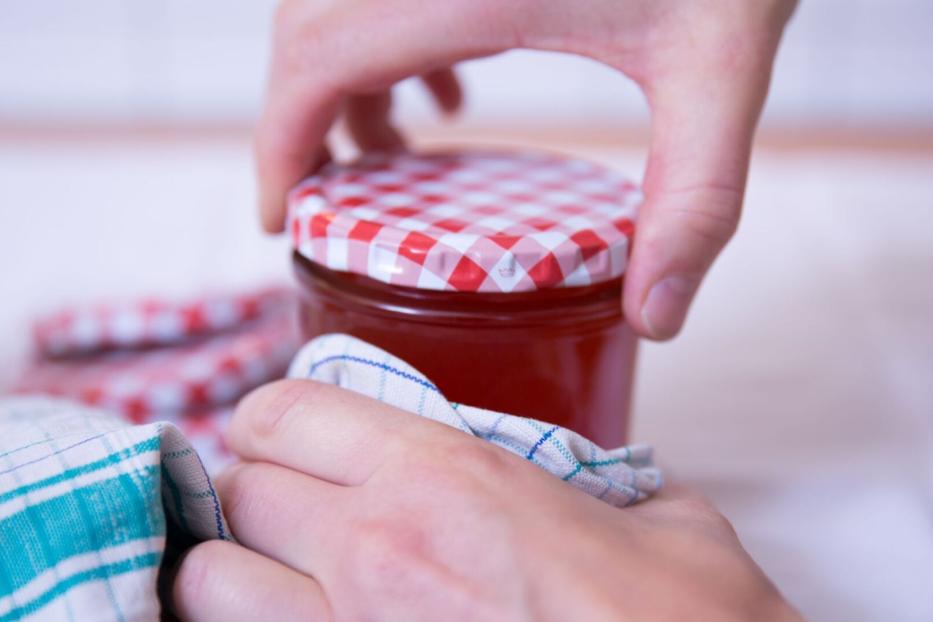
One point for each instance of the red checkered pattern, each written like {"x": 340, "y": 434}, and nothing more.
{"x": 147, "y": 323}
{"x": 476, "y": 222}
{"x": 192, "y": 377}
{"x": 199, "y": 358}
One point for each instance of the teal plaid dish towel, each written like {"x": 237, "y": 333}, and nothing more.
{"x": 87, "y": 501}
{"x": 84, "y": 504}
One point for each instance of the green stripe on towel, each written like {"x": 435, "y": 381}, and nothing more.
{"x": 117, "y": 516}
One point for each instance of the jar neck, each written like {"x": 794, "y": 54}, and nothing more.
{"x": 566, "y": 305}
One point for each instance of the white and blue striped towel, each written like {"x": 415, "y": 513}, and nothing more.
{"x": 84, "y": 500}
{"x": 87, "y": 501}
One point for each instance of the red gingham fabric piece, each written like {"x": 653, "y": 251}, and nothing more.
{"x": 184, "y": 379}
{"x": 147, "y": 323}
{"x": 476, "y": 222}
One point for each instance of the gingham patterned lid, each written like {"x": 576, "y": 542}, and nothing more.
{"x": 211, "y": 368}
{"x": 473, "y": 222}
{"x": 149, "y": 322}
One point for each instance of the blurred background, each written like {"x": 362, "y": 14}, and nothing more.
{"x": 800, "y": 395}
{"x": 855, "y": 63}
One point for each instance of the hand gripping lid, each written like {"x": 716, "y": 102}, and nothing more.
{"x": 471, "y": 222}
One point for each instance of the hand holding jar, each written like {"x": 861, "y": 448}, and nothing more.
{"x": 703, "y": 66}
{"x": 350, "y": 509}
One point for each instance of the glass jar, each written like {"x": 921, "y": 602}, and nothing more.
{"x": 497, "y": 276}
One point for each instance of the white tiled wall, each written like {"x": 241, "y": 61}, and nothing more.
{"x": 852, "y": 61}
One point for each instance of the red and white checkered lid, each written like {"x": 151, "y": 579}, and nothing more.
{"x": 149, "y": 322}
{"x": 186, "y": 379}
{"x": 472, "y": 222}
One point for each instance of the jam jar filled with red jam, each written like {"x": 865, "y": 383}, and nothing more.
{"x": 497, "y": 275}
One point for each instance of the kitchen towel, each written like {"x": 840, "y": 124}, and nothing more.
{"x": 86, "y": 501}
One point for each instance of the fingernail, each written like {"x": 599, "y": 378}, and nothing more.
{"x": 666, "y": 305}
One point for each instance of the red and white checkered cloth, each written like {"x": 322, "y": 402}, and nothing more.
{"x": 477, "y": 222}
{"x": 153, "y": 360}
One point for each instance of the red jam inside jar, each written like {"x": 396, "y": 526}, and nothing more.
{"x": 521, "y": 309}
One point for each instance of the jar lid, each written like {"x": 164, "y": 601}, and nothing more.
{"x": 472, "y": 222}
{"x": 150, "y": 322}
{"x": 211, "y": 368}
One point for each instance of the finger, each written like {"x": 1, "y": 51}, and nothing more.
{"x": 368, "y": 122}
{"x": 289, "y": 145}
{"x": 220, "y": 580}
{"x": 319, "y": 56}
{"x": 325, "y": 431}
{"x": 300, "y": 106}
{"x": 445, "y": 88}
{"x": 701, "y": 140}
{"x": 280, "y": 513}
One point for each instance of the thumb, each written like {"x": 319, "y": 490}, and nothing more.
{"x": 702, "y": 132}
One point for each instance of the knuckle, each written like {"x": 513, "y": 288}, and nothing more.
{"x": 396, "y": 562}
{"x": 469, "y": 455}
{"x": 693, "y": 503}
{"x": 708, "y": 516}
{"x": 710, "y": 225}
{"x": 710, "y": 214}
{"x": 301, "y": 51}
{"x": 241, "y": 492}
{"x": 300, "y": 36}
{"x": 477, "y": 455}
{"x": 266, "y": 411}
{"x": 700, "y": 510}
{"x": 385, "y": 540}
{"x": 382, "y": 550}
{"x": 721, "y": 524}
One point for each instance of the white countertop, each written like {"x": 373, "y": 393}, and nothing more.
{"x": 799, "y": 398}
